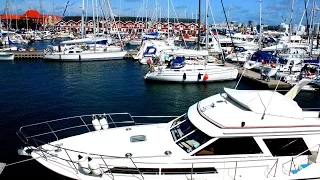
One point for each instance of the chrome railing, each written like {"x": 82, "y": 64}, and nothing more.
{"x": 292, "y": 160}
{"x": 274, "y": 167}
{"x": 108, "y": 169}
{"x": 80, "y": 124}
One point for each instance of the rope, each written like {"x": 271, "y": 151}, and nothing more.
{"x": 18, "y": 162}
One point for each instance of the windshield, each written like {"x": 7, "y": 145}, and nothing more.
{"x": 186, "y": 135}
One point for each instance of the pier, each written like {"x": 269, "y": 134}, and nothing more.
{"x": 28, "y": 54}
{"x": 255, "y": 78}
{"x": 39, "y": 54}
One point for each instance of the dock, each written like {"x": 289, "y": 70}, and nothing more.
{"x": 39, "y": 54}
{"x": 130, "y": 54}
{"x": 28, "y": 54}
{"x": 255, "y": 77}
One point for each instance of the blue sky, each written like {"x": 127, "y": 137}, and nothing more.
{"x": 273, "y": 11}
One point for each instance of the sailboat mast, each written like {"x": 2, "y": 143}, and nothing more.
{"x": 7, "y": 8}
{"x": 82, "y": 20}
{"x": 94, "y": 25}
{"x": 199, "y": 29}
{"x": 260, "y": 29}
{"x": 168, "y": 18}
{"x": 207, "y": 31}
{"x": 290, "y": 24}
{"x": 312, "y": 24}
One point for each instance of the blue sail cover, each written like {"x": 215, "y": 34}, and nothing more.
{"x": 267, "y": 57}
{"x": 153, "y": 35}
{"x": 177, "y": 63}
{"x": 311, "y": 61}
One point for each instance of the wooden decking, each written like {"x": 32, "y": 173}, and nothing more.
{"x": 39, "y": 54}
{"x": 28, "y": 54}
{"x": 256, "y": 77}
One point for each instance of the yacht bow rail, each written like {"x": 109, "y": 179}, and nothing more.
{"x": 197, "y": 167}
{"x": 64, "y": 127}
{"x": 295, "y": 166}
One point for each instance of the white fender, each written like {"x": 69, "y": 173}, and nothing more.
{"x": 26, "y": 151}
{"x": 94, "y": 167}
{"x": 104, "y": 123}
{"x": 96, "y": 124}
{"x": 83, "y": 164}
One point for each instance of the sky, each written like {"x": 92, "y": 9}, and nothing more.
{"x": 273, "y": 11}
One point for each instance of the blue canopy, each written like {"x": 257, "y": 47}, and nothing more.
{"x": 178, "y": 62}
{"x": 266, "y": 56}
{"x": 311, "y": 61}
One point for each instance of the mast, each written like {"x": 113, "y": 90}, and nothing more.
{"x": 206, "y": 16}
{"x": 114, "y": 20}
{"x": 311, "y": 27}
{"x": 260, "y": 31}
{"x": 199, "y": 29}
{"x": 82, "y": 20}
{"x": 146, "y": 16}
{"x": 94, "y": 25}
{"x": 290, "y": 24}
{"x": 41, "y": 11}
{"x": 168, "y": 19}
{"x": 207, "y": 31}
{"x": 7, "y": 8}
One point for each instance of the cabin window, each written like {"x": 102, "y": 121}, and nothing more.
{"x": 188, "y": 170}
{"x": 193, "y": 140}
{"x": 126, "y": 170}
{"x": 187, "y": 136}
{"x": 182, "y": 129}
{"x": 287, "y": 146}
{"x": 178, "y": 121}
{"x": 230, "y": 146}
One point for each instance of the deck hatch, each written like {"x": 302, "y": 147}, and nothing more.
{"x": 138, "y": 138}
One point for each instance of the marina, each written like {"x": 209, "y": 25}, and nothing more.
{"x": 102, "y": 92}
{"x": 250, "y": 75}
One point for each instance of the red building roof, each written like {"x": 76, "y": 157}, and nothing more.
{"x": 30, "y": 14}
{"x": 34, "y": 14}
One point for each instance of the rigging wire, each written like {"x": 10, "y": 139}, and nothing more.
{"x": 275, "y": 90}
{"x": 174, "y": 11}
{"x": 215, "y": 25}
{"x": 224, "y": 12}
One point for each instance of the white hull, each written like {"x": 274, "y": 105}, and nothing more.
{"x": 86, "y": 56}
{"x": 6, "y": 56}
{"x": 217, "y": 73}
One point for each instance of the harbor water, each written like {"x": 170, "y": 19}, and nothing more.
{"x": 34, "y": 91}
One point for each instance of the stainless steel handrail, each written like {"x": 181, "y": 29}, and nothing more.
{"x": 25, "y": 137}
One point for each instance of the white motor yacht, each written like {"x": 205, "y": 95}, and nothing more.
{"x": 6, "y": 56}
{"x": 236, "y": 134}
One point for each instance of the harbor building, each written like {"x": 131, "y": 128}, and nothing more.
{"x": 31, "y": 19}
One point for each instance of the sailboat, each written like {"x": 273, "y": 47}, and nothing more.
{"x": 191, "y": 72}
{"x": 85, "y": 49}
